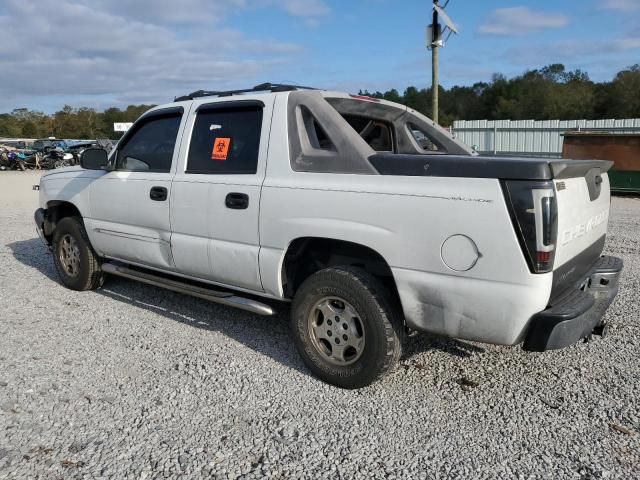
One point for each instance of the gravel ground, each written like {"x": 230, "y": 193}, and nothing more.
{"x": 134, "y": 382}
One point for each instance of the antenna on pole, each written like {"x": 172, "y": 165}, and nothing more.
{"x": 435, "y": 34}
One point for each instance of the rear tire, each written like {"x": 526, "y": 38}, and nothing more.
{"x": 74, "y": 258}
{"x": 345, "y": 327}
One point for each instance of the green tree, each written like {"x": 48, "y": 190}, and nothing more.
{"x": 624, "y": 96}
{"x": 9, "y": 126}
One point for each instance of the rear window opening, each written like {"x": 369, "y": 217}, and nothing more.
{"x": 424, "y": 140}
{"x": 389, "y": 129}
{"x": 377, "y": 133}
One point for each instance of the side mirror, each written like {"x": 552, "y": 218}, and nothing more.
{"x": 94, "y": 159}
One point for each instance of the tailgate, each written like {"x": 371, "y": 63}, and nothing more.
{"x": 583, "y": 200}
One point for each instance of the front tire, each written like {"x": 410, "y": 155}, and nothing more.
{"x": 74, "y": 258}
{"x": 345, "y": 327}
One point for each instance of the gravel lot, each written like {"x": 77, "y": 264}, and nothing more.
{"x": 136, "y": 382}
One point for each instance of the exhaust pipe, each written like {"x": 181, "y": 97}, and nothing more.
{"x": 601, "y": 330}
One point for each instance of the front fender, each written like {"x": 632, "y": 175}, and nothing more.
{"x": 68, "y": 186}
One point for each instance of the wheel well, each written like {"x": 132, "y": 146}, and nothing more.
{"x": 309, "y": 255}
{"x": 56, "y": 211}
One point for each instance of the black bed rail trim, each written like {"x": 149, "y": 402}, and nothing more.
{"x": 503, "y": 168}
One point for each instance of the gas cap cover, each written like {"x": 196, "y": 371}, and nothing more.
{"x": 460, "y": 253}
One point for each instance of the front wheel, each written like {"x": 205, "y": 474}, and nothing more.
{"x": 345, "y": 327}
{"x": 74, "y": 258}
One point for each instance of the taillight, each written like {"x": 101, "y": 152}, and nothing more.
{"x": 534, "y": 211}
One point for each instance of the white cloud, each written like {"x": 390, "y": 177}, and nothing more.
{"x": 625, "y": 44}
{"x": 570, "y": 51}
{"x": 621, "y": 5}
{"x": 205, "y": 11}
{"x": 304, "y": 8}
{"x": 170, "y": 11}
{"x": 89, "y": 49}
{"x": 521, "y": 21}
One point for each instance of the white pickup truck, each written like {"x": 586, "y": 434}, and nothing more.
{"x": 368, "y": 217}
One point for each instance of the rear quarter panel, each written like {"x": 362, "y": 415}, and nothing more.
{"x": 407, "y": 220}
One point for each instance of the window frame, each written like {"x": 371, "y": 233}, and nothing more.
{"x": 352, "y": 152}
{"x": 309, "y": 132}
{"x": 142, "y": 120}
{"x": 399, "y": 115}
{"x": 226, "y": 106}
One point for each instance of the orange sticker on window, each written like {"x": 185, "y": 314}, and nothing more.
{"x": 220, "y": 148}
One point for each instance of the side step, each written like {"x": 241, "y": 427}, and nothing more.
{"x": 224, "y": 298}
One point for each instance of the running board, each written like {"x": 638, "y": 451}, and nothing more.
{"x": 224, "y": 298}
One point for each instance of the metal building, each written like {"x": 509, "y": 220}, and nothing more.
{"x": 530, "y": 137}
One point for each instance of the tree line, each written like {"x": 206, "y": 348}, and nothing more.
{"x": 79, "y": 123}
{"x": 548, "y": 93}
{"x": 551, "y": 92}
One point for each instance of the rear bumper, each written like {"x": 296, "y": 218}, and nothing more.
{"x": 577, "y": 314}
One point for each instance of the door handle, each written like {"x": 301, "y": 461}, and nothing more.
{"x": 237, "y": 201}
{"x": 158, "y": 194}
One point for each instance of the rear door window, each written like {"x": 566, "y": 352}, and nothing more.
{"x": 225, "y": 141}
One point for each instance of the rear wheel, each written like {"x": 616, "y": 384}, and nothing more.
{"x": 74, "y": 258}
{"x": 345, "y": 327}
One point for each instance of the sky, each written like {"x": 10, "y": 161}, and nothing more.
{"x": 102, "y": 53}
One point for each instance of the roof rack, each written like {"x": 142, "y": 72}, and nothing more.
{"x": 263, "y": 87}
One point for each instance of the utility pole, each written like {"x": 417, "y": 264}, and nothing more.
{"x": 434, "y": 63}
{"x": 435, "y": 40}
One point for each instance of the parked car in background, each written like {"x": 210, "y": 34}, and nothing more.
{"x": 46, "y": 144}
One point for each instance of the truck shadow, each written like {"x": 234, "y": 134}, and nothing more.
{"x": 420, "y": 343}
{"x": 268, "y": 336}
